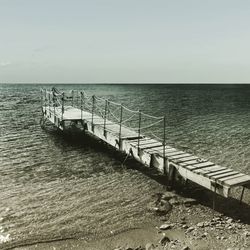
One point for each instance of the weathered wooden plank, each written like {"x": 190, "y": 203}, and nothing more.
{"x": 169, "y": 150}
{"x": 145, "y": 142}
{"x": 173, "y": 153}
{"x": 176, "y": 157}
{"x": 230, "y": 177}
{"x": 131, "y": 138}
{"x": 202, "y": 180}
{"x": 185, "y": 159}
{"x": 237, "y": 180}
{"x": 149, "y": 145}
{"x": 196, "y": 167}
{"x": 201, "y": 161}
{"x": 160, "y": 152}
{"x": 200, "y": 165}
{"x": 183, "y": 164}
{"x": 216, "y": 177}
{"x": 142, "y": 139}
{"x": 152, "y": 141}
{"x": 222, "y": 171}
{"x": 102, "y": 125}
{"x": 153, "y": 146}
{"x": 212, "y": 169}
{"x": 207, "y": 170}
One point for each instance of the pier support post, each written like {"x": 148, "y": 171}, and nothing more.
{"x": 171, "y": 176}
{"x": 49, "y": 104}
{"x": 105, "y": 117}
{"x": 242, "y": 193}
{"x": 164, "y": 145}
{"x": 62, "y": 104}
{"x": 72, "y": 98}
{"x": 54, "y": 103}
{"x": 139, "y": 133}
{"x": 93, "y": 110}
{"x": 42, "y": 100}
{"x": 45, "y": 102}
{"x": 214, "y": 195}
{"x": 82, "y": 97}
{"x": 77, "y": 98}
{"x": 120, "y": 129}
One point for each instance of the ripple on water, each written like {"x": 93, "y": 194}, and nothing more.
{"x": 55, "y": 188}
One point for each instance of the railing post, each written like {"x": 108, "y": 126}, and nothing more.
{"x": 105, "y": 117}
{"x": 81, "y": 102}
{"x": 93, "y": 110}
{"x": 45, "y": 103}
{"x": 62, "y": 104}
{"x": 72, "y": 98}
{"x": 139, "y": 131}
{"x": 54, "y": 103}
{"x": 42, "y": 99}
{"x": 77, "y": 98}
{"x": 120, "y": 130}
{"x": 49, "y": 105}
{"x": 164, "y": 144}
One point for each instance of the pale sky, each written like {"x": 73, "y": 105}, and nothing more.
{"x": 112, "y": 41}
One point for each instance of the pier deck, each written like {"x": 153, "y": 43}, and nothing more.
{"x": 152, "y": 152}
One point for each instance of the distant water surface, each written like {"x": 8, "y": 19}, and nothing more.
{"x": 52, "y": 188}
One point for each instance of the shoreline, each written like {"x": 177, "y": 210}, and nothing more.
{"x": 180, "y": 223}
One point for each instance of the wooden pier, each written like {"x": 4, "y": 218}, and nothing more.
{"x": 128, "y": 131}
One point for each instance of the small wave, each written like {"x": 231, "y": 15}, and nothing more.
{"x": 4, "y": 238}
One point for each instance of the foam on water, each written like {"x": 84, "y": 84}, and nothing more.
{"x": 4, "y": 238}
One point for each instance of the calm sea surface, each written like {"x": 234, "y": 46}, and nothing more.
{"x": 52, "y": 188}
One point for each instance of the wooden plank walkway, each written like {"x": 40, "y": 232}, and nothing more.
{"x": 151, "y": 152}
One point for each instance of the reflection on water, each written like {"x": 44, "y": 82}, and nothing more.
{"x": 54, "y": 188}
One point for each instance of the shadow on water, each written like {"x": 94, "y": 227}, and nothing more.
{"x": 230, "y": 207}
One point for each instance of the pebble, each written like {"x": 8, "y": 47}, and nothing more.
{"x": 205, "y": 234}
{"x": 190, "y": 229}
{"x": 150, "y": 246}
{"x": 164, "y": 240}
{"x": 206, "y": 224}
{"x": 167, "y": 196}
{"x": 189, "y": 201}
{"x": 247, "y": 233}
{"x": 1, "y": 229}
{"x": 216, "y": 219}
{"x": 165, "y": 226}
{"x": 174, "y": 201}
{"x": 200, "y": 224}
{"x": 139, "y": 248}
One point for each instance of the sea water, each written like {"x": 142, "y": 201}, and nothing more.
{"x": 55, "y": 188}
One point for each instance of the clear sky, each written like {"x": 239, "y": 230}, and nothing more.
{"x": 84, "y": 41}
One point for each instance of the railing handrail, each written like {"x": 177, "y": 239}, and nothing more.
{"x": 56, "y": 98}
